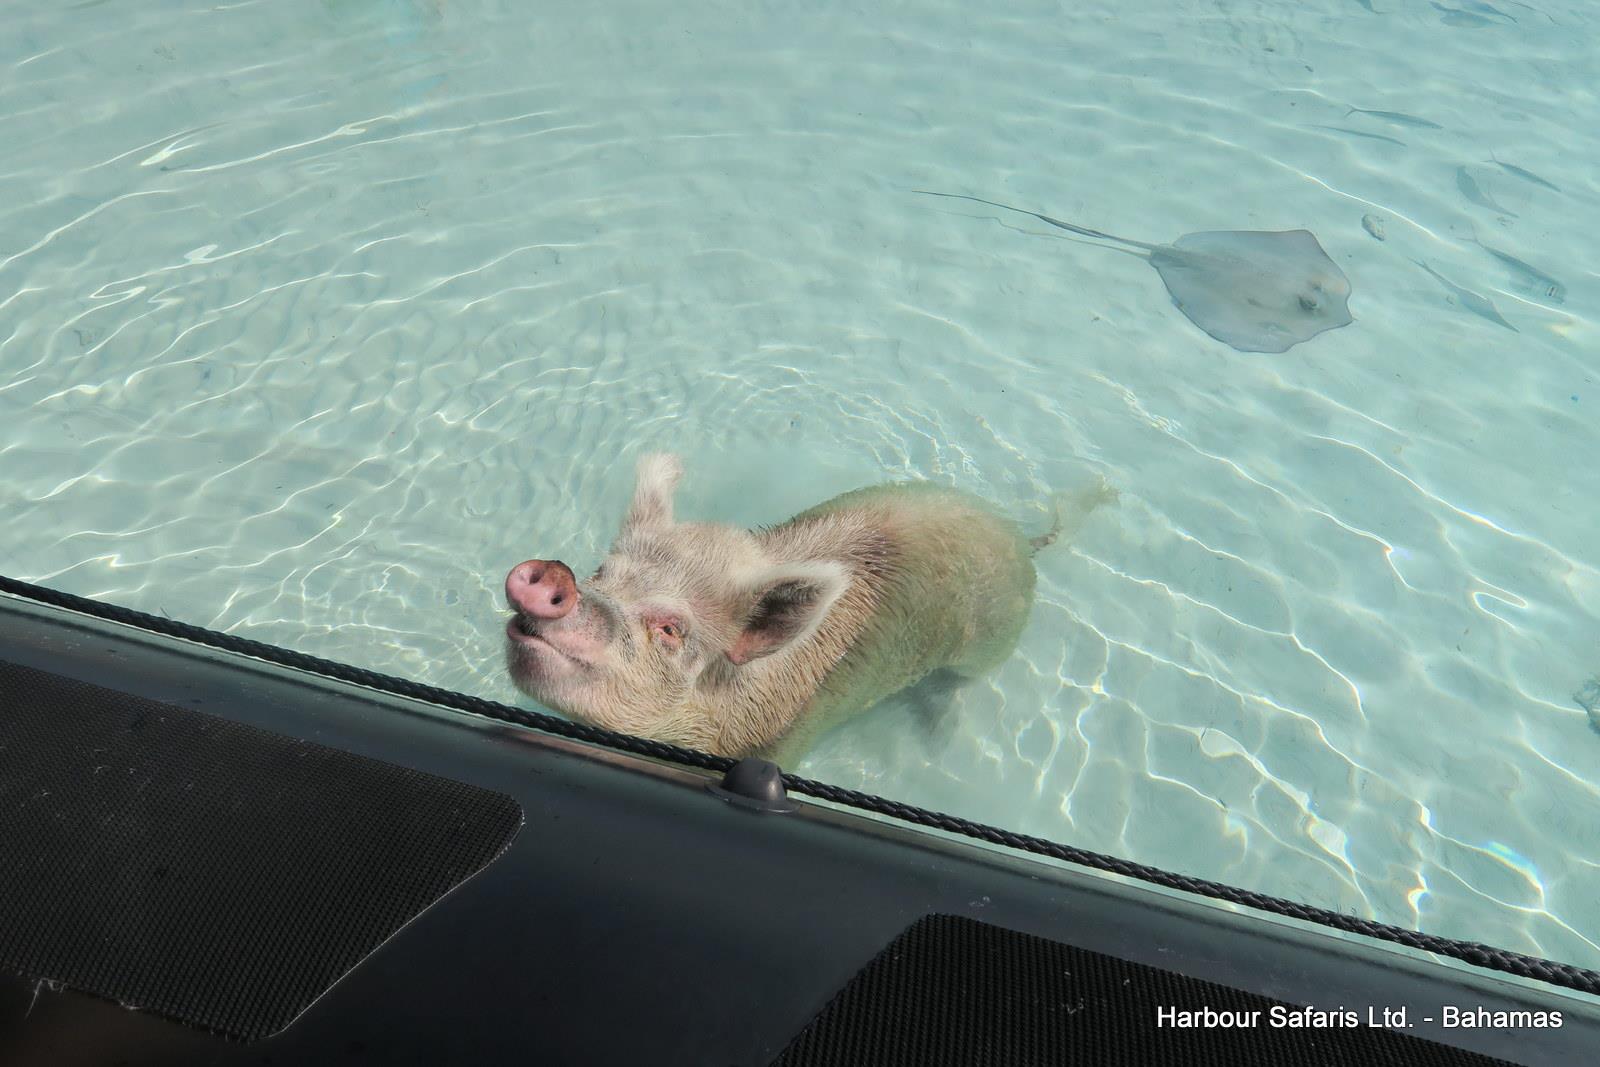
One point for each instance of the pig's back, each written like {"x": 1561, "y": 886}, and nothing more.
{"x": 946, "y": 583}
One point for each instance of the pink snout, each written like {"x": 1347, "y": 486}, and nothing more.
{"x": 542, "y": 588}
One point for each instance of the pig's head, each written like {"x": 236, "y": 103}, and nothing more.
{"x": 675, "y": 631}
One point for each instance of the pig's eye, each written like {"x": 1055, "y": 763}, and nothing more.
{"x": 668, "y": 633}
{"x": 664, "y": 630}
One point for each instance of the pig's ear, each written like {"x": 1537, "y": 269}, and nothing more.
{"x": 789, "y": 603}
{"x": 658, "y": 474}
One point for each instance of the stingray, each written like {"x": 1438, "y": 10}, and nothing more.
{"x": 1254, "y": 290}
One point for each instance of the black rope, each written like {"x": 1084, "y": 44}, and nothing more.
{"x": 371, "y": 679}
{"x": 1480, "y": 955}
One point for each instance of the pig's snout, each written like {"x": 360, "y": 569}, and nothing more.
{"x": 542, "y": 588}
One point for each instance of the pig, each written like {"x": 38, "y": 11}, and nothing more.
{"x": 751, "y": 642}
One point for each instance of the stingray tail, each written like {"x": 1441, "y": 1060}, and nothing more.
{"x": 1071, "y": 227}
{"x": 1069, "y": 510}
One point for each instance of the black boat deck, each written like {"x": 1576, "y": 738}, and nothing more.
{"x": 598, "y": 908}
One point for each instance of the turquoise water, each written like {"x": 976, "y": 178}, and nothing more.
{"x": 316, "y": 317}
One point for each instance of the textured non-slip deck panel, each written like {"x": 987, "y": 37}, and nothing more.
{"x": 952, "y": 992}
{"x": 206, "y": 870}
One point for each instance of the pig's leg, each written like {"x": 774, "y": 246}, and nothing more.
{"x": 933, "y": 703}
